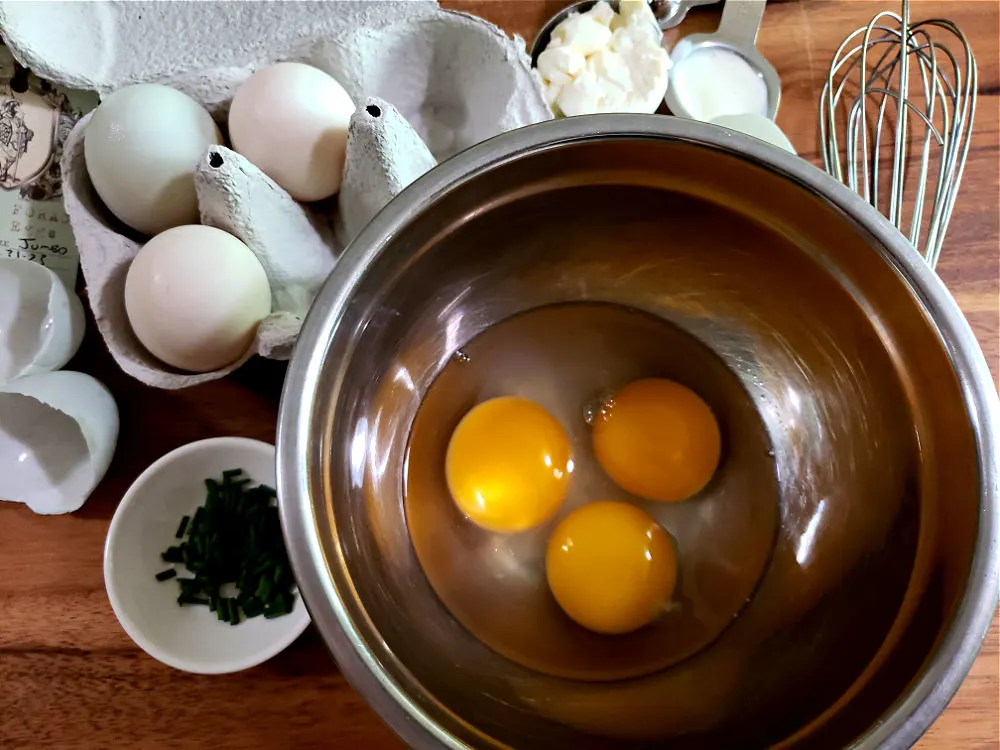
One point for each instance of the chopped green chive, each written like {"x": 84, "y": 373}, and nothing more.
{"x": 173, "y": 555}
{"x": 234, "y": 541}
{"x": 263, "y": 589}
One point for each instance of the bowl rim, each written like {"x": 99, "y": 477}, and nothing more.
{"x": 296, "y": 624}
{"x": 925, "y": 698}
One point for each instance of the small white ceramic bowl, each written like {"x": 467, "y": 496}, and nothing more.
{"x": 190, "y": 638}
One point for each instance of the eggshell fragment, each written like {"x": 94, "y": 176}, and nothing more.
{"x": 41, "y": 322}
{"x": 57, "y": 435}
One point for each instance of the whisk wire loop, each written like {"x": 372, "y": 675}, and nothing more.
{"x": 916, "y": 99}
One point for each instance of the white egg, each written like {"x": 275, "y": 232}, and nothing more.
{"x": 194, "y": 296}
{"x": 291, "y": 121}
{"x": 141, "y": 146}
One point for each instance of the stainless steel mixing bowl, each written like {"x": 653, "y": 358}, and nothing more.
{"x": 881, "y": 579}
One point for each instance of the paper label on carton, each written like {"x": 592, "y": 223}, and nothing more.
{"x": 35, "y": 118}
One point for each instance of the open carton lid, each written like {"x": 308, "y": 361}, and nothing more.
{"x": 106, "y": 45}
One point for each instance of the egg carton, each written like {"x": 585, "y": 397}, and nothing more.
{"x": 428, "y": 82}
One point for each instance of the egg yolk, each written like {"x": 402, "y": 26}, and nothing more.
{"x": 611, "y": 567}
{"x": 508, "y": 464}
{"x": 658, "y": 439}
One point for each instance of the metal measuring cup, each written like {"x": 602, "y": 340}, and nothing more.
{"x": 668, "y": 13}
{"x": 737, "y": 33}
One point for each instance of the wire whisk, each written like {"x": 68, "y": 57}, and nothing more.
{"x": 905, "y": 104}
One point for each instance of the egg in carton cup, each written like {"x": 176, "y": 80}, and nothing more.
{"x": 428, "y": 83}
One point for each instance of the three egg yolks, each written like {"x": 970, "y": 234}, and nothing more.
{"x": 611, "y": 567}
{"x": 658, "y": 439}
{"x": 508, "y": 464}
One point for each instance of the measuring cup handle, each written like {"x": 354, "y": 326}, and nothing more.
{"x": 670, "y": 13}
{"x": 741, "y": 21}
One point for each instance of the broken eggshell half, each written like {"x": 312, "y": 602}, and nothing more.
{"x": 57, "y": 435}
{"x": 41, "y": 322}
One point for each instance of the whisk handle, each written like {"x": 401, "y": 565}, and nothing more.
{"x": 741, "y": 21}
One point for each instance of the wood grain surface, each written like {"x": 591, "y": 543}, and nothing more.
{"x": 71, "y": 678}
